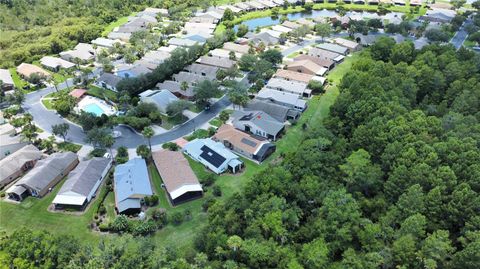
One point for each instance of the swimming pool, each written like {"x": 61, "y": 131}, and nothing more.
{"x": 94, "y": 108}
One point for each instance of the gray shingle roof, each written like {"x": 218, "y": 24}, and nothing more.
{"x": 109, "y": 79}
{"x": 260, "y": 119}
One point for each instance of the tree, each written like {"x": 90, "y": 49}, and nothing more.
{"x": 436, "y": 35}
{"x": 47, "y": 144}
{"x": 234, "y": 242}
{"x": 224, "y": 116}
{"x": 238, "y": 94}
{"x": 107, "y": 142}
{"x": 247, "y": 62}
{"x": 144, "y": 152}
{"x": 228, "y": 15}
{"x": 64, "y": 103}
{"x": 177, "y": 107}
{"x": 96, "y": 137}
{"x": 323, "y": 30}
{"x": 308, "y": 6}
{"x": 315, "y": 254}
{"x": 272, "y": 55}
{"x": 403, "y": 52}
{"x": 205, "y": 90}
{"x": 148, "y": 133}
{"x": 458, "y": 3}
{"x": 382, "y": 48}
{"x": 242, "y": 30}
{"x": 61, "y": 130}
{"x": 316, "y": 86}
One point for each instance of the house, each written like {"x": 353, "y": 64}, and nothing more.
{"x": 78, "y": 93}
{"x": 359, "y": 2}
{"x": 176, "y": 88}
{"x": 325, "y": 54}
{"x": 151, "y": 11}
{"x": 44, "y": 176}
{"x": 27, "y": 70}
{"x": 414, "y": 3}
{"x": 249, "y": 146}
{"x": 399, "y": 2}
{"x": 333, "y": 48}
{"x": 207, "y": 71}
{"x": 327, "y": 63}
{"x": 189, "y": 78}
{"x": 278, "y": 112}
{"x": 214, "y": 155}
{"x": 267, "y": 38}
{"x": 182, "y": 42}
{"x": 125, "y": 37}
{"x": 82, "y": 51}
{"x": 108, "y": 81}
{"x": 6, "y": 80}
{"x": 374, "y": 2}
{"x": 82, "y": 184}
{"x": 17, "y": 162}
{"x": 224, "y": 54}
{"x": 351, "y": 45}
{"x": 7, "y": 129}
{"x": 203, "y": 19}
{"x": 106, "y": 43}
{"x": 199, "y": 37}
{"x": 180, "y": 181}
{"x": 156, "y": 56}
{"x": 232, "y": 8}
{"x": 243, "y": 6}
{"x": 55, "y": 64}
{"x": 132, "y": 71}
{"x": 10, "y": 144}
{"x": 306, "y": 22}
{"x": 255, "y": 5}
{"x": 214, "y": 15}
{"x": 295, "y": 87}
{"x": 131, "y": 185}
{"x": 282, "y": 98}
{"x": 258, "y": 123}
{"x": 137, "y": 24}
{"x": 243, "y": 49}
{"x": 307, "y": 67}
{"x": 293, "y": 76}
{"x": 281, "y": 29}
{"x": 438, "y": 15}
{"x": 267, "y": 3}
{"x": 291, "y": 25}
{"x": 206, "y": 29}
{"x": 215, "y": 61}
{"x": 161, "y": 99}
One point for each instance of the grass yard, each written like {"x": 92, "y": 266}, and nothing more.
{"x": 67, "y": 146}
{"x": 102, "y": 93}
{"x": 116, "y": 23}
{"x": 17, "y": 80}
{"x": 48, "y": 103}
{"x": 215, "y": 122}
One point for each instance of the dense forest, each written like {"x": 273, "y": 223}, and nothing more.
{"x": 32, "y": 29}
{"x": 390, "y": 180}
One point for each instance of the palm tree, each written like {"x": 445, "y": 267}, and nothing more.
{"x": 108, "y": 142}
{"x": 148, "y": 133}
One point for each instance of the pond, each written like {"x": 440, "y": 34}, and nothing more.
{"x": 356, "y": 15}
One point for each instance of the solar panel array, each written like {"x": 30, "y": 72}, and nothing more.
{"x": 211, "y": 156}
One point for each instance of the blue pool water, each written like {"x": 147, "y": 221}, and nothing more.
{"x": 93, "y": 108}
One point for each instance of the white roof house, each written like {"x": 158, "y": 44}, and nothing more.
{"x": 282, "y": 98}
{"x": 213, "y": 154}
{"x": 82, "y": 183}
{"x": 182, "y": 42}
{"x": 223, "y": 53}
{"x": 55, "y": 63}
{"x": 6, "y": 77}
{"x": 106, "y": 43}
{"x": 82, "y": 51}
{"x": 161, "y": 98}
{"x": 295, "y": 87}
{"x": 281, "y": 29}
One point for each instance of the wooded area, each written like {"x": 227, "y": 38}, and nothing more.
{"x": 389, "y": 180}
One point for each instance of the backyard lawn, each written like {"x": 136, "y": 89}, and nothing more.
{"x": 102, "y": 93}
{"x": 216, "y": 122}
{"x": 116, "y": 23}
{"x": 17, "y": 80}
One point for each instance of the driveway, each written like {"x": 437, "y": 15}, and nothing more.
{"x": 460, "y": 36}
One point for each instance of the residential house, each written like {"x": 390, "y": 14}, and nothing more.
{"x": 399, "y": 2}
{"x": 242, "y": 49}
{"x": 44, "y": 176}
{"x": 281, "y": 29}
{"x": 201, "y": 38}
{"x": 125, "y": 37}
{"x": 282, "y": 98}
{"x": 78, "y": 93}
{"x": 203, "y": 19}
{"x": 291, "y": 86}
{"x": 6, "y": 80}
{"x": 291, "y": 25}
{"x": 267, "y": 3}
{"x": 108, "y": 81}
{"x": 82, "y": 184}
{"x": 306, "y": 22}
{"x": 438, "y": 15}
{"x": 415, "y": 3}
{"x": 151, "y": 11}
{"x": 132, "y": 71}
{"x": 224, "y": 54}
{"x": 333, "y": 48}
{"x": 137, "y": 24}
{"x": 16, "y": 163}
{"x": 293, "y": 76}
{"x": 327, "y": 63}
{"x": 156, "y": 56}
{"x": 82, "y": 51}
{"x": 7, "y": 129}
{"x": 161, "y": 99}
{"x": 258, "y": 123}
{"x": 106, "y": 43}
{"x": 359, "y": 2}
{"x": 325, "y": 54}
{"x": 182, "y": 42}
{"x": 176, "y": 88}
{"x": 232, "y": 8}
{"x": 373, "y": 2}
{"x": 350, "y": 45}
{"x": 207, "y": 71}
{"x": 131, "y": 185}
{"x": 10, "y": 144}
{"x": 214, "y": 155}
{"x": 249, "y": 146}
{"x": 55, "y": 64}
{"x": 215, "y": 61}
{"x": 189, "y": 78}
{"x": 267, "y": 38}
{"x": 307, "y": 67}
{"x": 27, "y": 70}
{"x": 278, "y": 112}
{"x": 180, "y": 181}
{"x": 243, "y": 6}
{"x": 256, "y": 5}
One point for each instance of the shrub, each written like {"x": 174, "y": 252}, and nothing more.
{"x": 151, "y": 200}
{"x": 2, "y": 194}
{"x": 160, "y": 216}
{"x": 120, "y": 224}
{"x": 176, "y": 218}
{"x": 208, "y": 179}
{"x": 170, "y": 146}
{"x": 104, "y": 227}
{"x": 224, "y": 116}
{"x": 97, "y": 153}
{"x": 102, "y": 210}
{"x": 143, "y": 227}
{"x": 209, "y": 201}
{"x": 217, "y": 191}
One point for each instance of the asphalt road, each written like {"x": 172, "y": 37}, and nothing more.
{"x": 460, "y": 36}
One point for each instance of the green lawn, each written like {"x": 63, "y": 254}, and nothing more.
{"x": 102, "y": 93}
{"x": 116, "y": 23}
{"x": 67, "y": 146}
{"x": 216, "y": 122}
{"x": 17, "y": 80}
{"x": 48, "y": 103}
{"x": 169, "y": 122}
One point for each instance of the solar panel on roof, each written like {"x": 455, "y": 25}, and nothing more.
{"x": 249, "y": 142}
{"x": 211, "y": 156}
